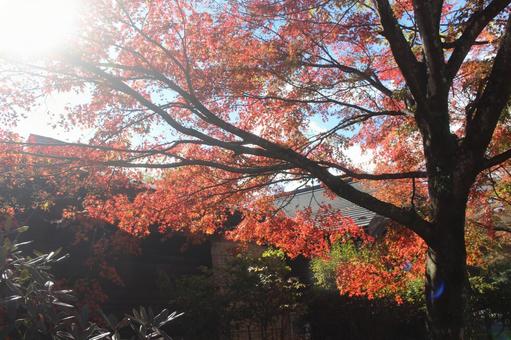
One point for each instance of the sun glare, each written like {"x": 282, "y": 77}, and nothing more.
{"x": 35, "y": 27}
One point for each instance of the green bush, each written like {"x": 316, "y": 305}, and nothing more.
{"x": 249, "y": 292}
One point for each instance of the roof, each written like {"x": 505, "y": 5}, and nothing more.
{"x": 315, "y": 196}
{"x": 38, "y": 139}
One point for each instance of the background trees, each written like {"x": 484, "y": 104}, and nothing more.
{"x": 250, "y": 295}
{"x": 230, "y": 92}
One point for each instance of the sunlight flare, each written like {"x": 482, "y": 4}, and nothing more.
{"x": 35, "y": 27}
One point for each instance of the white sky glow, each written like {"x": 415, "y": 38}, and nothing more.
{"x": 43, "y": 120}
{"x": 35, "y": 27}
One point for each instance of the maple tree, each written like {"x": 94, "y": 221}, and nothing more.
{"x": 222, "y": 96}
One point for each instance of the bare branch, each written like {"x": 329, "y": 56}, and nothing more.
{"x": 329, "y": 100}
{"x": 375, "y": 82}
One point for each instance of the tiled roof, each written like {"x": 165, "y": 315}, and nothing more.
{"x": 38, "y": 139}
{"x": 315, "y": 196}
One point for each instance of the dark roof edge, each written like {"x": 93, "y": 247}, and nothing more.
{"x": 38, "y": 139}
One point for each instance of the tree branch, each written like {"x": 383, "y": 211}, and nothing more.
{"x": 383, "y": 176}
{"x": 401, "y": 51}
{"x": 494, "y": 228}
{"x": 376, "y": 83}
{"x": 328, "y": 100}
{"x": 266, "y": 148}
{"x": 502, "y": 228}
{"x": 496, "y": 160}
{"x": 493, "y": 100}
{"x": 427, "y": 14}
{"x": 181, "y": 163}
{"x": 475, "y": 25}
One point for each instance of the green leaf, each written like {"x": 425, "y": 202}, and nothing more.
{"x": 12, "y": 298}
{"x": 63, "y": 304}
{"x": 100, "y": 336}
{"x": 22, "y": 229}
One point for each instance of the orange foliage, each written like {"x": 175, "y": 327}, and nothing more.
{"x": 229, "y": 97}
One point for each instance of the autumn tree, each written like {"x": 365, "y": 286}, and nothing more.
{"x": 229, "y": 92}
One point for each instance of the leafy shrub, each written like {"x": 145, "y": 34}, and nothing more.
{"x": 33, "y": 308}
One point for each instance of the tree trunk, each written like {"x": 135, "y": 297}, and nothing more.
{"x": 446, "y": 276}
